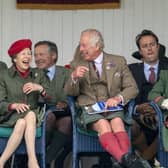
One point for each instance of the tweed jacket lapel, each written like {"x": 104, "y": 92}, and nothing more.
{"x": 86, "y": 64}
{"x": 109, "y": 67}
{"x": 57, "y": 75}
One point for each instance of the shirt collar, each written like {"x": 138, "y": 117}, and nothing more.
{"x": 51, "y": 72}
{"x": 99, "y": 59}
{"x": 52, "y": 69}
{"x": 147, "y": 66}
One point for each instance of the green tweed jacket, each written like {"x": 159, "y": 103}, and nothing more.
{"x": 159, "y": 93}
{"x": 11, "y": 84}
{"x": 56, "y": 86}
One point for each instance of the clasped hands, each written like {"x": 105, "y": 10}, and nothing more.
{"x": 30, "y": 87}
{"x": 27, "y": 88}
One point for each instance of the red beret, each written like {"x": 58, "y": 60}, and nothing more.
{"x": 18, "y": 46}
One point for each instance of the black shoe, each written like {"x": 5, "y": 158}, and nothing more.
{"x": 152, "y": 162}
{"x": 115, "y": 163}
{"x": 133, "y": 161}
{"x": 48, "y": 166}
{"x": 96, "y": 166}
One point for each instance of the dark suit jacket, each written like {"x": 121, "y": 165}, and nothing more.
{"x": 144, "y": 86}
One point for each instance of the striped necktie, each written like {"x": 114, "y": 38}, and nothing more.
{"x": 152, "y": 75}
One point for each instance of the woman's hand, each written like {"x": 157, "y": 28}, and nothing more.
{"x": 20, "y": 107}
{"x": 30, "y": 87}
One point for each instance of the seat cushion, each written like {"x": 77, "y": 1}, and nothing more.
{"x": 6, "y": 131}
{"x": 88, "y": 132}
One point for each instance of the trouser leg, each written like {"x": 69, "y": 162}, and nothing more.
{"x": 58, "y": 142}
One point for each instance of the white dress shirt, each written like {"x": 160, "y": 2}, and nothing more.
{"x": 147, "y": 70}
{"x": 51, "y": 72}
{"x": 98, "y": 63}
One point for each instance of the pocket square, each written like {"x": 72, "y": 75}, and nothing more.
{"x": 117, "y": 74}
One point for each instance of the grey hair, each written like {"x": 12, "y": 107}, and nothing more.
{"x": 96, "y": 37}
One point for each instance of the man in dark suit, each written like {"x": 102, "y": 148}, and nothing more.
{"x": 58, "y": 126}
{"x": 145, "y": 134}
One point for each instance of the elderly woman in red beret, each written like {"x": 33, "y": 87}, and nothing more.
{"x": 20, "y": 88}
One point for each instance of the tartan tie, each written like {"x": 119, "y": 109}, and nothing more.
{"x": 96, "y": 70}
{"x": 152, "y": 75}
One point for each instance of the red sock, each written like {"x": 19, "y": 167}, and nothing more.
{"x": 110, "y": 143}
{"x": 123, "y": 140}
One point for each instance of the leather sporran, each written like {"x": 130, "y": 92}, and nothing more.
{"x": 147, "y": 116}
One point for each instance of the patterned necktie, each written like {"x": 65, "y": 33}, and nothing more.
{"x": 152, "y": 75}
{"x": 49, "y": 74}
{"x": 95, "y": 69}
